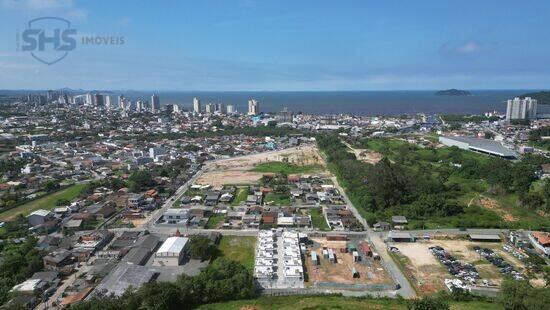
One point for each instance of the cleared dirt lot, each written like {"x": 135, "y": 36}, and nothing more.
{"x": 427, "y": 274}
{"x": 365, "y": 155}
{"x": 370, "y": 271}
{"x": 237, "y": 170}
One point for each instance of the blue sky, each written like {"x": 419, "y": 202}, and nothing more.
{"x": 287, "y": 45}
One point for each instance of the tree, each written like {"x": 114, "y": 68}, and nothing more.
{"x": 62, "y": 202}
{"x": 139, "y": 180}
{"x": 51, "y": 185}
{"x": 201, "y": 247}
{"x": 513, "y": 294}
{"x": 428, "y": 303}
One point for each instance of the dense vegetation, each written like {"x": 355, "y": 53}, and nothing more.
{"x": 536, "y": 137}
{"x": 202, "y": 248}
{"x": 516, "y": 295}
{"x": 221, "y": 281}
{"x": 18, "y": 260}
{"x": 520, "y": 295}
{"x": 543, "y": 97}
{"x": 433, "y": 187}
{"x": 456, "y": 118}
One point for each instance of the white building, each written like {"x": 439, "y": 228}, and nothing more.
{"x": 121, "y": 102}
{"x": 176, "y": 216}
{"x": 171, "y": 252}
{"x": 278, "y": 261}
{"x": 521, "y": 108}
{"x": 209, "y": 108}
{"x": 196, "y": 105}
{"x": 230, "y": 109}
{"x": 108, "y": 105}
{"x": 484, "y": 146}
{"x": 89, "y": 99}
{"x": 253, "y": 107}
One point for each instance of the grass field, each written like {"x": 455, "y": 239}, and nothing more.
{"x": 277, "y": 199}
{"x": 318, "y": 220}
{"x": 47, "y": 202}
{"x": 334, "y": 302}
{"x": 242, "y": 192}
{"x": 286, "y": 168}
{"x": 240, "y": 249}
{"x": 214, "y": 221}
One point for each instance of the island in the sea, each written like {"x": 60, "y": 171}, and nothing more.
{"x": 453, "y": 92}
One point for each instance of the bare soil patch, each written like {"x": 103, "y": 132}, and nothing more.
{"x": 495, "y": 206}
{"x": 237, "y": 170}
{"x": 370, "y": 271}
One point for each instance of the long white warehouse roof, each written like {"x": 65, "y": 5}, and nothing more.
{"x": 172, "y": 245}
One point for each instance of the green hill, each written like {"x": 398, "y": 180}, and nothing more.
{"x": 543, "y": 97}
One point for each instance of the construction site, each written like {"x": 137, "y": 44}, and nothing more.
{"x": 338, "y": 262}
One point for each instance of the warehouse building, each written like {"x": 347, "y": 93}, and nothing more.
{"x": 484, "y": 146}
{"x": 171, "y": 252}
{"x": 400, "y": 236}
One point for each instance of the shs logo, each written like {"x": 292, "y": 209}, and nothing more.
{"x": 49, "y": 39}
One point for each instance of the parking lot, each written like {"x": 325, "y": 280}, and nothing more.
{"x": 427, "y": 270}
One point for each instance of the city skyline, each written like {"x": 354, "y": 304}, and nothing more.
{"x": 251, "y": 46}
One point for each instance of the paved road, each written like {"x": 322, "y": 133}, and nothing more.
{"x": 376, "y": 238}
{"x": 60, "y": 289}
{"x": 406, "y": 290}
{"x": 170, "y": 202}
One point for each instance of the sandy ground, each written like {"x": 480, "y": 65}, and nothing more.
{"x": 371, "y": 272}
{"x": 139, "y": 222}
{"x": 427, "y": 274}
{"x": 237, "y": 170}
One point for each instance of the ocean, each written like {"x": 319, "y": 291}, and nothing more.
{"x": 348, "y": 102}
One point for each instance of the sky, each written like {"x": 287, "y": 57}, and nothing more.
{"x": 285, "y": 45}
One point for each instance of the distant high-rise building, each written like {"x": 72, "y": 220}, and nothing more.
{"x": 230, "y": 109}
{"x": 209, "y": 108}
{"x": 172, "y": 108}
{"x": 139, "y": 106}
{"x": 121, "y": 102}
{"x": 98, "y": 100}
{"x": 107, "y": 99}
{"x": 253, "y": 107}
{"x": 196, "y": 105}
{"x": 518, "y": 108}
{"x": 285, "y": 116}
{"x": 155, "y": 103}
{"x": 219, "y": 107}
{"x": 89, "y": 100}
